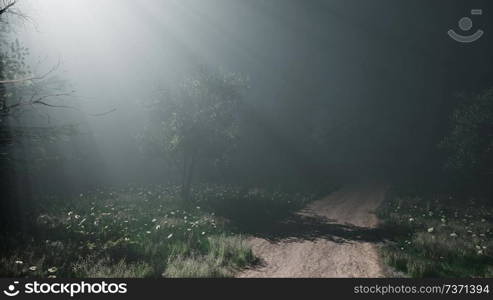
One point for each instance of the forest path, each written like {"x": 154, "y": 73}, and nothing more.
{"x": 336, "y": 236}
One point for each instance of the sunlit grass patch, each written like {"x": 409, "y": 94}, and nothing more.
{"x": 234, "y": 249}
{"x": 439, "y": 236}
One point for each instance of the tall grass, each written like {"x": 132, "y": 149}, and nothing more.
{"x": 226, "y": 255}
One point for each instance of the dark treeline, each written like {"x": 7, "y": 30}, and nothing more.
{"x": 376, "y": 98}
{"x": 339, "y": 91}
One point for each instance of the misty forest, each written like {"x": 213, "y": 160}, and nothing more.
{"x": 245, "y": 138}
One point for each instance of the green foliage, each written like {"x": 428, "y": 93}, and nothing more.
{"x": 13, "y": 66}
{"x": 470, "y": 141}
{"x": 19, "y": 97}
{"x": 200, "y": 115}
{"x": 196, "y": 122}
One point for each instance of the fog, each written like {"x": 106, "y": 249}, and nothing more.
{"x": 368, "y": 76}
{"x": 246, "y": 138}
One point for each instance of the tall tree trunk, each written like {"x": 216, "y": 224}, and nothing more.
{"x": 7, "y": 201}
{"x": 188, "y": 172}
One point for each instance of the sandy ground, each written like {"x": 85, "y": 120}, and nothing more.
{"x": 333, "y": 237}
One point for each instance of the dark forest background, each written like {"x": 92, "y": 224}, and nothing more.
{"x": 340, "y": 91}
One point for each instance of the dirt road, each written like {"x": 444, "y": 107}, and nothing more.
{"x": 332, "y": 237}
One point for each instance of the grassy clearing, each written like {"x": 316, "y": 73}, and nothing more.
{"x": 133, "y": 232}
{"x": 439, "y": 236}
{"x": 142, "y": 232}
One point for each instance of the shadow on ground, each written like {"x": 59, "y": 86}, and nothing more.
{"x": 301, "y": 227}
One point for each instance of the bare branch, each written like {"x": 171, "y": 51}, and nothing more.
{"x": 6, "y": 6}
{"x": 104, "y": 113}
{"x": 43, "y": 76}
{"x": 41, "y": 100}
{"x": 19, "y": 80}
